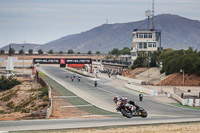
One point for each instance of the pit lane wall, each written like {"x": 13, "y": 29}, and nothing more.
{"x": 130, "y": 79}
{"x": 187, "y": 101}
{"x": 138, "y": 88}
{"x": 144, "y": 90}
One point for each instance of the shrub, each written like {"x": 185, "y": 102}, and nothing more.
{"x": 11, "y": 105}
{"x": 44, "y": 92}
{"x": 8, "y": 83}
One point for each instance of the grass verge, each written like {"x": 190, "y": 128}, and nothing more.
{"x": 76, "y": 100}
{"x": 184, "y": 106}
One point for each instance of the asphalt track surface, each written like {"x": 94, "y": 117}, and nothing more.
{"x": 102, "y": 97}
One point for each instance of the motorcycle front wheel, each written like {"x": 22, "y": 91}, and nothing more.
{"x": 142, "y": 112}
{"x": 126, "y": 112}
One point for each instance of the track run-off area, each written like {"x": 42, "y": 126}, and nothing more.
{"x": 101, "y": 97}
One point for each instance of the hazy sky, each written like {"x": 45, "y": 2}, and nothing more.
{"x": 41, "y": 21}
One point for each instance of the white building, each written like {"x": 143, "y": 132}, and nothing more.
{"x": 145, "y": 41}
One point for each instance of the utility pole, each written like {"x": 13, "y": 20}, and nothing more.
{"x": 153, "y": 15}
{"x": 23, "y": 58}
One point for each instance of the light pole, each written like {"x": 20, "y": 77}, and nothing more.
{"x": 23, "y": 58}
{"x": 183, "y": 77}
{"x": 148, "y": 68}
{"x": 160, "y": 78}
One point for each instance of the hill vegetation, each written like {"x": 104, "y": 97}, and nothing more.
{"x": 8, "y": 83}
{"x": 173, "y": 61}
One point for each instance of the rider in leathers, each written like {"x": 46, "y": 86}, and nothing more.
{"x": 116, "y": 99}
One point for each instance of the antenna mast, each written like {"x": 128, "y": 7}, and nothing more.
{"x": 153, "y": 15}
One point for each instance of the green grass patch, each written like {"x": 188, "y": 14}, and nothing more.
{"x": 77, "y": 100}
{"x": 42, "y": 74}
{"x": 62, "y": 90}
{"x": 184, "y": 106}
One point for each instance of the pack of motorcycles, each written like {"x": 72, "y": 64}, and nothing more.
{"x": 126, "y": 108}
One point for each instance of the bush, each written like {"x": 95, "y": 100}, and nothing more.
{"x": 8, "y": 83}
{"x": 44, "y": 92}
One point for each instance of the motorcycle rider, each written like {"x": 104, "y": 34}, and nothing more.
{"x": 140, "y": 96}
{"x": 79, "y": 79}
{"x": 72, "y": 79}
{"x": 95, "y": 83}
{"x": 116, "y": 99}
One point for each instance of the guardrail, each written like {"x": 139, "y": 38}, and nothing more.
{"x": 130, "y": 79}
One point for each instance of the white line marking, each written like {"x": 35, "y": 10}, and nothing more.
{"x": 73, "y": 106}
{"x": 97, "y": 115}
{"x": 102, "y": 89}
{"x": 64, "y": 96}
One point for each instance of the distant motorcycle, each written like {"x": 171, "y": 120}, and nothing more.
{"x": 140, "y": 96}
{"x": 72, "y": 79}
{"x": 67, "y": 76}
{"x": 130, "y": 109}
{"x": 79, "y": 79}
{"x": 95, "y": 83}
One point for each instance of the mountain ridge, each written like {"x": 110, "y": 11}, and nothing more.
{"x": 176, "y": 31}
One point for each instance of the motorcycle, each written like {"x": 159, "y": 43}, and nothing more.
{"x": 79, "y": 79}
{"x": 72, "y": 79}
{"x": 130, "y": 109}
{"x": 140, "y": 97}
{"x": 67, "y": 76}
{"x": 95, "y": 83}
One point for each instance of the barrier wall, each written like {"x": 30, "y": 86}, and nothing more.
{"x": 130, "y": 79}
{"x": 197, "y": 102}
{"x": 144, "y": 90}
{"x": 49, "y": 110}
{"x": 179, "y": 99}
{"x": 43, "y": 83}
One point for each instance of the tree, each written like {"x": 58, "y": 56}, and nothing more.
{"x": 11, "y": 51}
{"x": 78, "y": 53}
{"x": 50, "y": 51}
{"x": 30, "y": 51}
{"x": 70, "y": 51}
{"x": 97, "y": 52}
{"x": 21, "y": 51}
{"x": 125, "y": 51}
{"x": 89, "y": 52}
{"x": 139, "y": 62}
{"x": 61, "y": 52}
{"x": 115, "y": 51}
{"x": 40, "y": 51}
{"x": 2, "y": 51}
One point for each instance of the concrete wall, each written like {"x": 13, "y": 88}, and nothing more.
{"x": 189, "y": 102}
{"x": 130, "y": 79}
{"x": 197, "y": 102}
{"x": 49, "y": 110}
{"x": 144, "y": 90}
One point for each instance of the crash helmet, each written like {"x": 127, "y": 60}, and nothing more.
{"x": 140, "y": 92}
{"x": 115, "y": 99}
